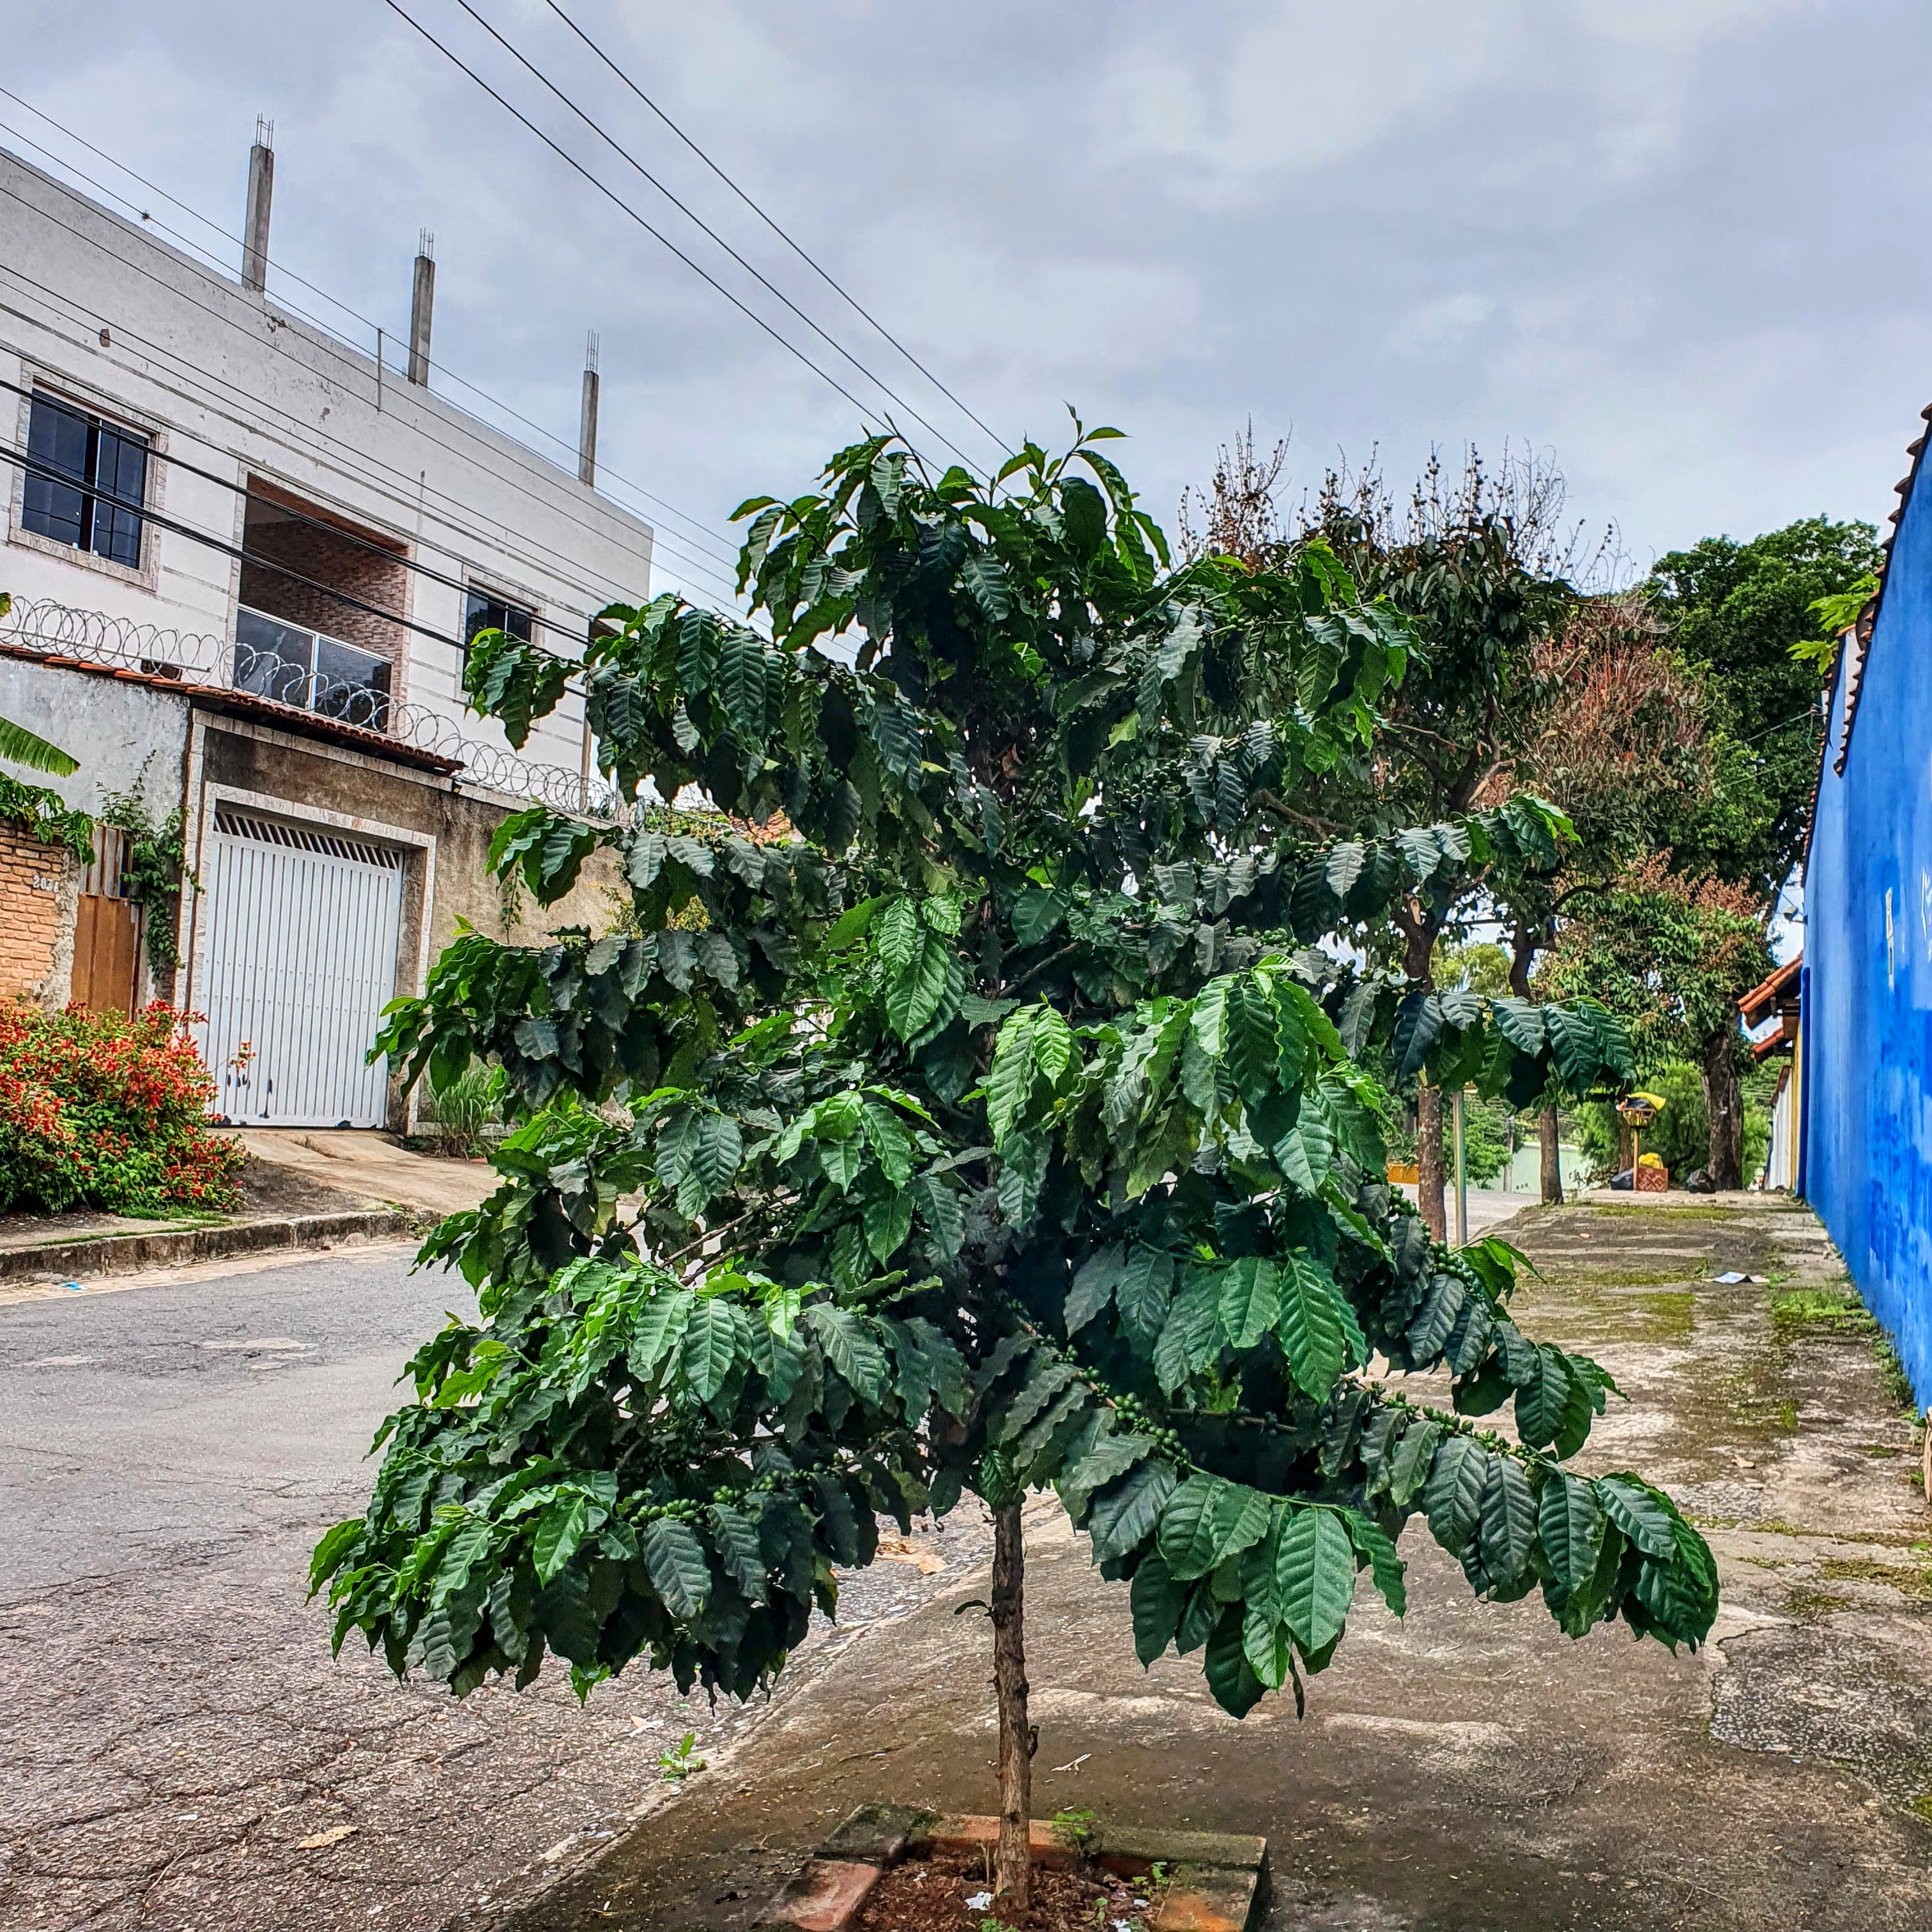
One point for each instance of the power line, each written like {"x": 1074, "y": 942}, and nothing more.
{"x": 352, "y": 360}
{"x": 307, "y": 429}
{"x": 382, "y": 550}
{"x": 33, "y": 466}
{"x": 837, "y": 289}
{"x": 699, "y": 222}
{"x": 617, "y": 201}
{"x": 282, "y": 268}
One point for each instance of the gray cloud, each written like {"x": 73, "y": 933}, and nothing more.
{"x": 1675, "y": 243}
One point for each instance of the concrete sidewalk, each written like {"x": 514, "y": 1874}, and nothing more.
{"x": 300, "y": 1188}
{"x": 1467, "y": 1768}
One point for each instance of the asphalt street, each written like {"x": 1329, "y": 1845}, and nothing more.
{"x": 178, "y": 1750}
{"x": 141, "y": 1421}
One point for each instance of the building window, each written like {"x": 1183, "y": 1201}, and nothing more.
{"x": 486, "y": 611}
{"x": 302, "y": 667}
{"x": 84, "y": 476}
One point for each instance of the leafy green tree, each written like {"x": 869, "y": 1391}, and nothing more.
{"x": 1672, "y": 956}
{"x": 993, "y": 1131}
{"x": 1740, "y": 612}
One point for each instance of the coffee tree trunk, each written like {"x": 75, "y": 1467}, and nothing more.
{"x": 1431, "y": 1170}
{"x": 1550, "y": 1159}
{"x": 1013, "y": 1875}
{"x": 1724, "y": 1102}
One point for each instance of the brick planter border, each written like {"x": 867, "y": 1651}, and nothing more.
{"x": 1216, "y": 1882}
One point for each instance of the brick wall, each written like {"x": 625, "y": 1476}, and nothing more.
{"x": 32, "y": 907}
{"x": 330, "y": 559}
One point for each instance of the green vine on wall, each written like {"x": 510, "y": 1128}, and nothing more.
{"x": 153, "y": 871}
{"x": 154, "y": 866}
{"x": 43, "y": 815}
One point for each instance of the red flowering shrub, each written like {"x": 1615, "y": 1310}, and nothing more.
{"x": 98, "y": 1111}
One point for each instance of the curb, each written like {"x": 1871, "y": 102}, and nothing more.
{"x": 118, "y": 1254}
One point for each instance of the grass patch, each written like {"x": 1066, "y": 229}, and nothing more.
{"x": 1836, "y": 1310}
{"x": 1922, "y": 1804}
{"x": 1915, "y": 1583}
{"x": 1808, "y": 1603}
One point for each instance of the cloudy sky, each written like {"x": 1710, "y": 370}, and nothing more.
{"x": 1678, "y": 244}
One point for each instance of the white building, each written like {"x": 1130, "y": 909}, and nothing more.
{"x": 245, "y": 557}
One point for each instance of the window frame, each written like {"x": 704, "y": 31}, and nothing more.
{"x": 103, "y": 438}
{"x": 39, "y": 382}
{"x": 474, "y": 594}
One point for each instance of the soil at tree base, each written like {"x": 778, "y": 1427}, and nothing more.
{"x": 1467, "y": 1767}
{"x": 932, "y": 1895}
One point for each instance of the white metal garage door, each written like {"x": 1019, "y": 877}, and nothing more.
{"x": 303, "y": 925}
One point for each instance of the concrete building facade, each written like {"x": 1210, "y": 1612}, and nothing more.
{"x": 245, "y": 557}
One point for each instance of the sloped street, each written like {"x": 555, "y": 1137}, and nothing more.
{"x": 177, "y": 1749}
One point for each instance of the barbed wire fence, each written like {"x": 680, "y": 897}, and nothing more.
{"x": 94, "y": 636}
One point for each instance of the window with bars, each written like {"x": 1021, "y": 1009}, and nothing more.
{"x": 85, "y": 481}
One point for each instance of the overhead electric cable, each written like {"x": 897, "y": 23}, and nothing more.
{"x": 283, "y": 269}
{"x": 584, "y": 618}
{"x": 851, "y": 300}
{"x": 405, "y": 505}
{"x": 672, "y": 541}
{"x": 698, "y": 221}
{"x": 616, "y": 200}
{"x": 34, "y": 466}
{"x": 411, "y": 483}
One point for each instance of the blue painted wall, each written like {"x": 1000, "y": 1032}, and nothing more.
{"x": 1867, "y": 1084}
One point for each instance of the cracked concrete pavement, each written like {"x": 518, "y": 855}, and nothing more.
{"x": 1467, "y": 1767}
{"x": 177, "y": 1749}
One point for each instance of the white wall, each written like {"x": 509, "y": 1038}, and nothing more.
{"x": 129, "y": 737}
{"x": 97, "y": 307}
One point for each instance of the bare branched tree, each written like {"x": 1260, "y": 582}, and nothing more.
{"x": 1237, "y": 514}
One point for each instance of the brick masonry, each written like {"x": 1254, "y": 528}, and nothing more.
{"x": 330, "y": 559}
{"x": 36, "y": 909}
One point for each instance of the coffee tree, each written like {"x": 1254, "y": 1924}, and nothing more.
{"x": 995, "y": 1129}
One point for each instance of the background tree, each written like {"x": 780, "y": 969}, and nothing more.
{"x": 1736, "y": 612}
{"x": 1673, "y": 955}
{"x": 1481, "y": 565}
{"x": 1606, "y": 719}
{"x": 994, "y": 1131}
